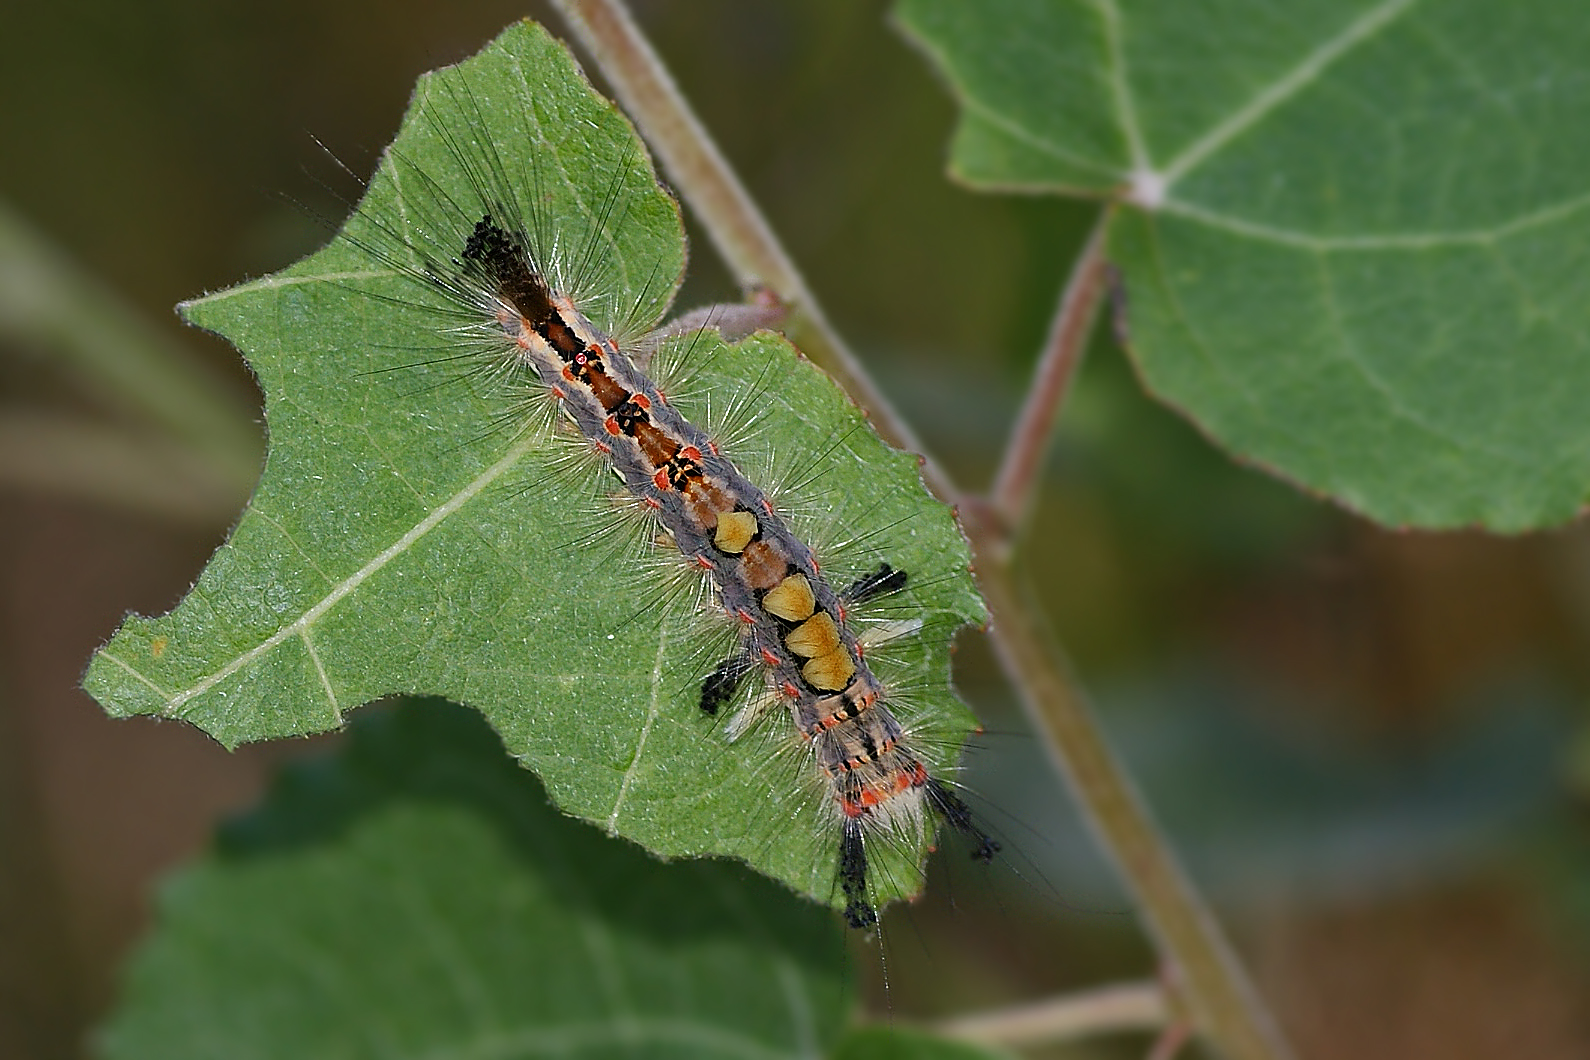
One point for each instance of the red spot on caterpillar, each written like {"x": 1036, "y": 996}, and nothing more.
{"x": 790, "y": 691}
{"x": 771, "y": 659}
{"x": 611, "y": 426}
{"x": 659, "y": 478}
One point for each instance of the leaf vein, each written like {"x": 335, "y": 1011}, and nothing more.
{"x": 1396, "y": 403}
{"x": 439, "y": 936}
{"x": 162, "y": 693}
{"x": 354, "y": 580}
{"x": 277, "y": 281}
{"x": 567, "y": 1039}
{"x": 652, "y": 710}
{"x": 1233, "y": 382}
{"x": 1017, "y": 132}
{"x": 1285, "y": 87}
{"x": 1407, "y": 241}
{"x": 1120, "y": 86}
{"x": 325, "y": 682}
{"x": 303, "y": 553}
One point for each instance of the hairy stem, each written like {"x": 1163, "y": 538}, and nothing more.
{"x": 1208, "y": 978}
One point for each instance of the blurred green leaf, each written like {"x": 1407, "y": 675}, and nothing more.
{"x": 415, "y": 895}
{"x": 893, "y": 1043}
{"x": 403, "y": 540}
{"x": 1355, "y": 235}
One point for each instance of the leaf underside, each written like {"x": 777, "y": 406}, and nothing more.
{"x": 407, "y": 538}
{"x": 1354, "y": 236}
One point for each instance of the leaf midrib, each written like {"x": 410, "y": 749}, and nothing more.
{"x": 1404, "y": 241}
{"x": 344, "y": 588}
{"x": 1283, "y": 88}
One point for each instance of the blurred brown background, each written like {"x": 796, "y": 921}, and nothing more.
{"x": 1372, "y": 748}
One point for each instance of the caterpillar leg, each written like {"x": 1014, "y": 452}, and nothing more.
{"x": 722, "y": 683}
{"x": 958, "y": 816}
{"x": 883, "y": 580}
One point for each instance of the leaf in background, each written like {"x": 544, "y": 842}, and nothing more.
{"x": 1355, "y": 235}
{"x": 890, "y": 1043}
{"x": 403, "y": 541}
{"x": 414, "y": 895}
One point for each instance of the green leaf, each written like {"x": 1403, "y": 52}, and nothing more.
{"x": 416, "y": 896}
{"x": 1353, "y": 234}
{"x": 405, "y": 540}
{"x": 895, "y": 1043}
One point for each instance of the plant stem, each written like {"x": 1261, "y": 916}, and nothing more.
{"x": 1125, "y": 1007}
{"x": 1170, "y": 1041}
{"x": 1220, "y": 1001}
{"x": 1217, "y": 995}
{"x": 1068, "y": 336}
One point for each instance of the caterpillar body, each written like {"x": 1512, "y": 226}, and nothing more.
{"x": 794, "y": 622}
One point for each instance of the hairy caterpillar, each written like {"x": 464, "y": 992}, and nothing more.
{"x": 766, "y": 578}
